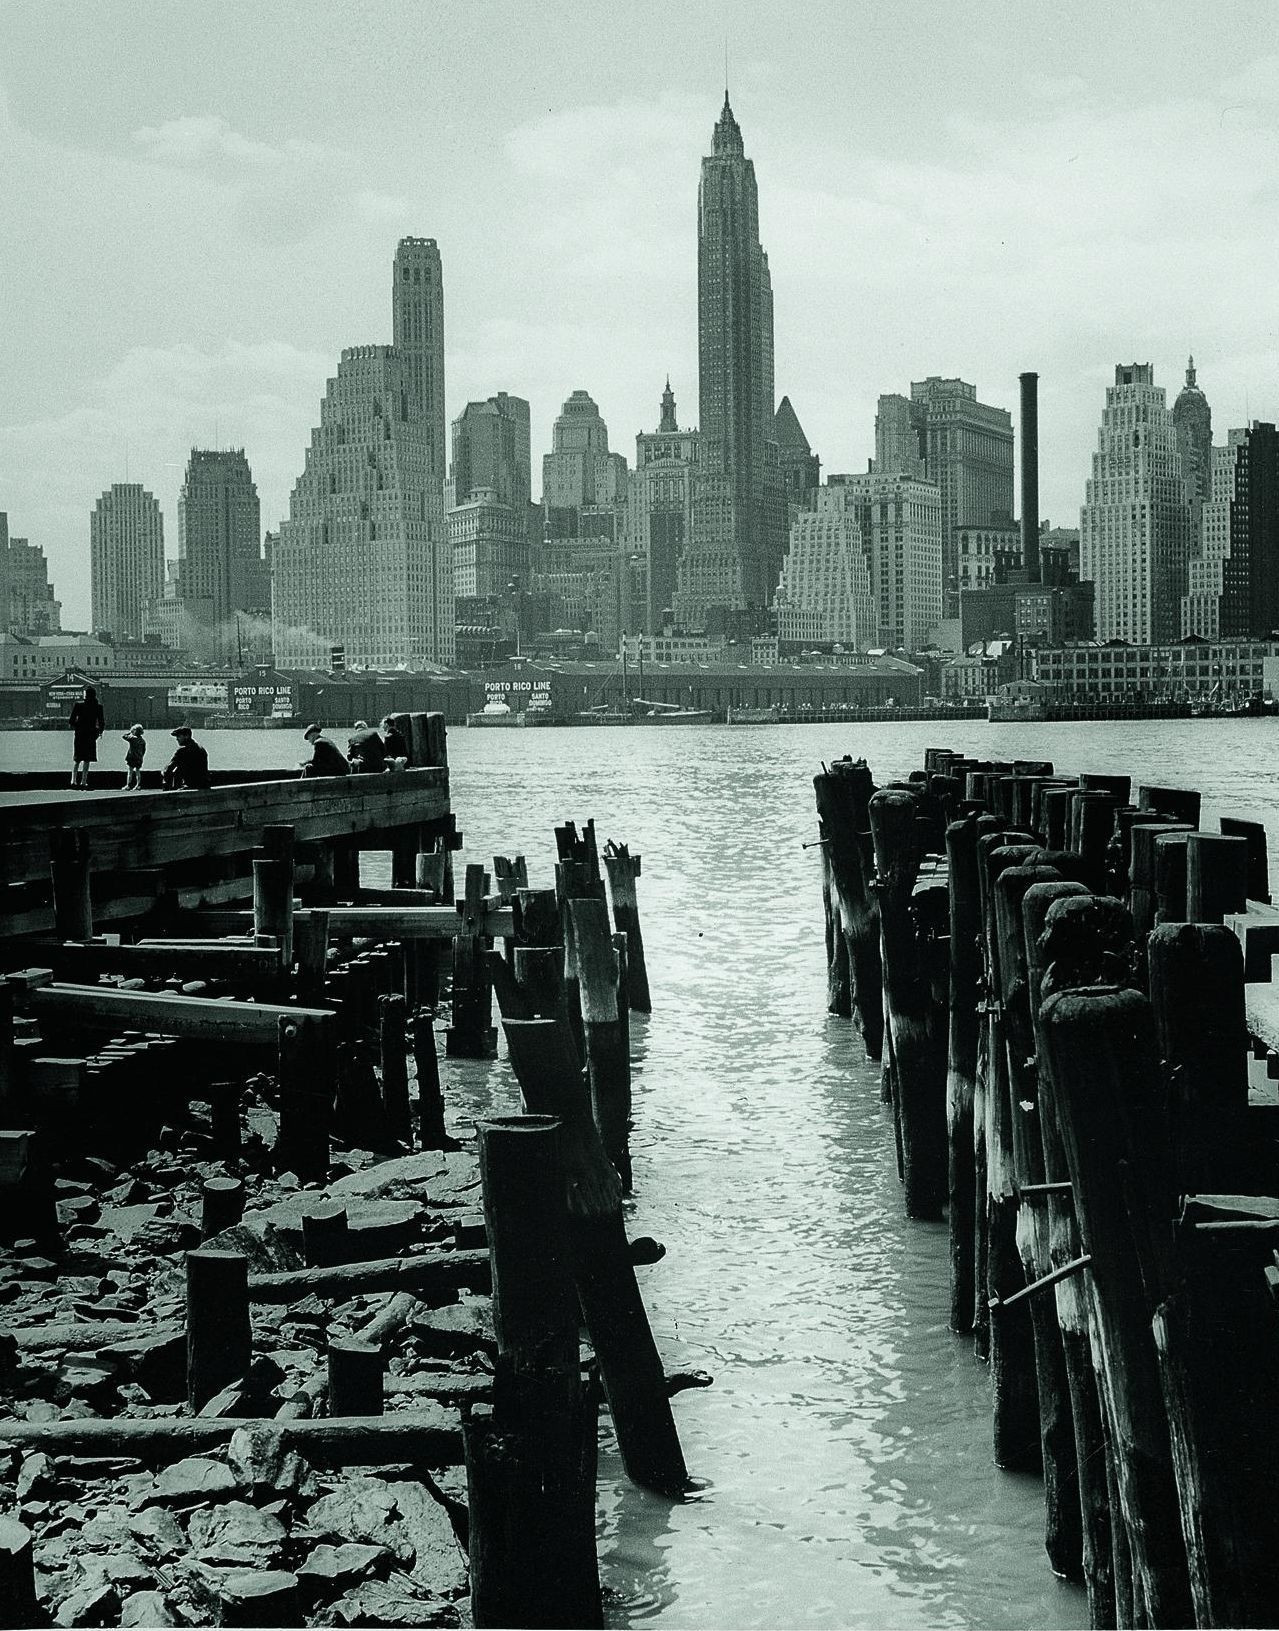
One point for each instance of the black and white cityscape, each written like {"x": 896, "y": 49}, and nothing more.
{"x": 638, "y": 655}
{"x": 416, "y": 536}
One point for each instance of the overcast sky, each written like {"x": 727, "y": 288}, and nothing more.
{"x": 199, "y": 205}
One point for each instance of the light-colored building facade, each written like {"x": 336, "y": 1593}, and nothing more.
{"x": 489, "y": 541}
{"x": 363, "y": 561}
{"x": 221, "y": 572}
{"x": 1216, "y": 578}
{"x": 824, "y": 594}
{"x": 579, "y": 471}
{"x": 27, "y": 603}
{"x": 965, "y": 447}
{"x": 126, "y": 559}
{"x": 417, "y": 315}
{"x": 985, "y": 555}
{"x": 1135, "y": 527}
{"x": 900, "y": 521}
{"x": 1216, "y": 671}
{"x": 659, "y": 509}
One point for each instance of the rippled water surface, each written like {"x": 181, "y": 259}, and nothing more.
{"x": 843, "y": 1453}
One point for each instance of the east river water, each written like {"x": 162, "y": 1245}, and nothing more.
{"x": 843, "y": 1453}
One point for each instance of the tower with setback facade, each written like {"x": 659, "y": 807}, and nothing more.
{"x": 1135, "y": 531}
{"x": 735, "y": 377}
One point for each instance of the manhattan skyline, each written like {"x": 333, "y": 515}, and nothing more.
{"x": 192, "y": 239}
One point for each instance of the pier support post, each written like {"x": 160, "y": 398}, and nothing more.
{"x": 961, "y": 1072}
{"x": 219, "y": 1333}
{"x": 19, "y": 1605}
{"x": 843, "y": 800}
{"x": 531, "y": 1465}
{"x": 919, "y": 1039}
{"x": 72, "y": 907}
{"x": 623, "y": 869}
{"x": 355, "y": 1371}
{"x": 606, "y": 1057}
{"x": 393, "y": 1046}
{"x": 1103, "y": 1063}
{"x": 307, "y": 1068}
{"x": 472, "y": 1034}
{"x": 552, "y": 1082}
{"x": 1092, "y": 1458}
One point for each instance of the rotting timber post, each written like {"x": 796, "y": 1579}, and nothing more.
{"x": 1109, "y": 975}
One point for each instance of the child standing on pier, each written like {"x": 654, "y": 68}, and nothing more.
{"x": 134, "y": 752}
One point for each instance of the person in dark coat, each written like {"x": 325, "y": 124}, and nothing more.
{"x": 87, "y": 724}
{"x": 365, "y": 749}
{"x": 189, "y": 766}
{"x": 326, "y": 757}
{"x": 393, "y": 740}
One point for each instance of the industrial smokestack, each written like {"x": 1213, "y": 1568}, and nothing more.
{"x": 1030, "y": 477}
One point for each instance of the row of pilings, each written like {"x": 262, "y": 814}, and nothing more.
{"x": 1053, "y": 976}
{"x": 354, "y": 1358}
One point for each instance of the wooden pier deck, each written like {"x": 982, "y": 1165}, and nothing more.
{"x": 197, "y": 847}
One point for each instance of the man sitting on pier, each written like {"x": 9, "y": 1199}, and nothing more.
{"x": 365, "y": 749}
{"x": 326, "y": 757}
{"x": 189, "y": 766}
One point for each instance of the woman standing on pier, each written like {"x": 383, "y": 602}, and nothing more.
{"x": 87, "y": 724}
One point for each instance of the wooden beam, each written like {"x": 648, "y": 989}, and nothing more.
{"x": 432, "y": 1436}
{"x": 207, "y": 1018}
{"x": 212, "y": 959}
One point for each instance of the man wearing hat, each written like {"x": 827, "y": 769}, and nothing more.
{"x": 326, "y": 757}
{"x": 189, "y": 766}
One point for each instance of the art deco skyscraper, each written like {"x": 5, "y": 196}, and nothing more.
{"x": 220, "y": 566}
{"x": 126, "y": 559}
{"x": 417, "y": 305}
{"x": 362, "y": 561}
{"x": 735, "y": 361}
{"x": 1193, "y": 418}
{"x": 1135, "y": 525}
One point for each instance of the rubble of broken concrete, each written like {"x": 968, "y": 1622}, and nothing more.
{"x": 249, "y": 1533}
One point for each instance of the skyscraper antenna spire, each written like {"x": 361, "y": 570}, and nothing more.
{"x": 726, "y": 67}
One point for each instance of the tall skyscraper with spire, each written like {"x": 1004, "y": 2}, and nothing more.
{"x": 735, "y": 374}
{"x": 1193, "y": 418}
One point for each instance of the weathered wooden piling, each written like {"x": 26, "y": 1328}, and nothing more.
{"x": 1102, "y": 1058}
{"x": 607, "y": 1060}
{"x": 551, "y": 1080}
{"x": 393, "y": 1046}
{"x": 843, "y": 795}
{"x": 918, "y": 1028}
{"x": 1014, "y": 1388}
{"x": 530, "y": 1466}
{"x": 219, "y": 1333}
{"x": 307, "y": 1064}
{"x": 961, "y": 1072}
{"x": 623, "y": 870}
{"x": 472, "y": 1034}
{"x": 355, "y": 1376}
{"x": 1063, "y": 1518}
{"x": 1064, "y": 1248}
{"x": 221, "y": 1205}
{"x": 20, "y": 1607}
